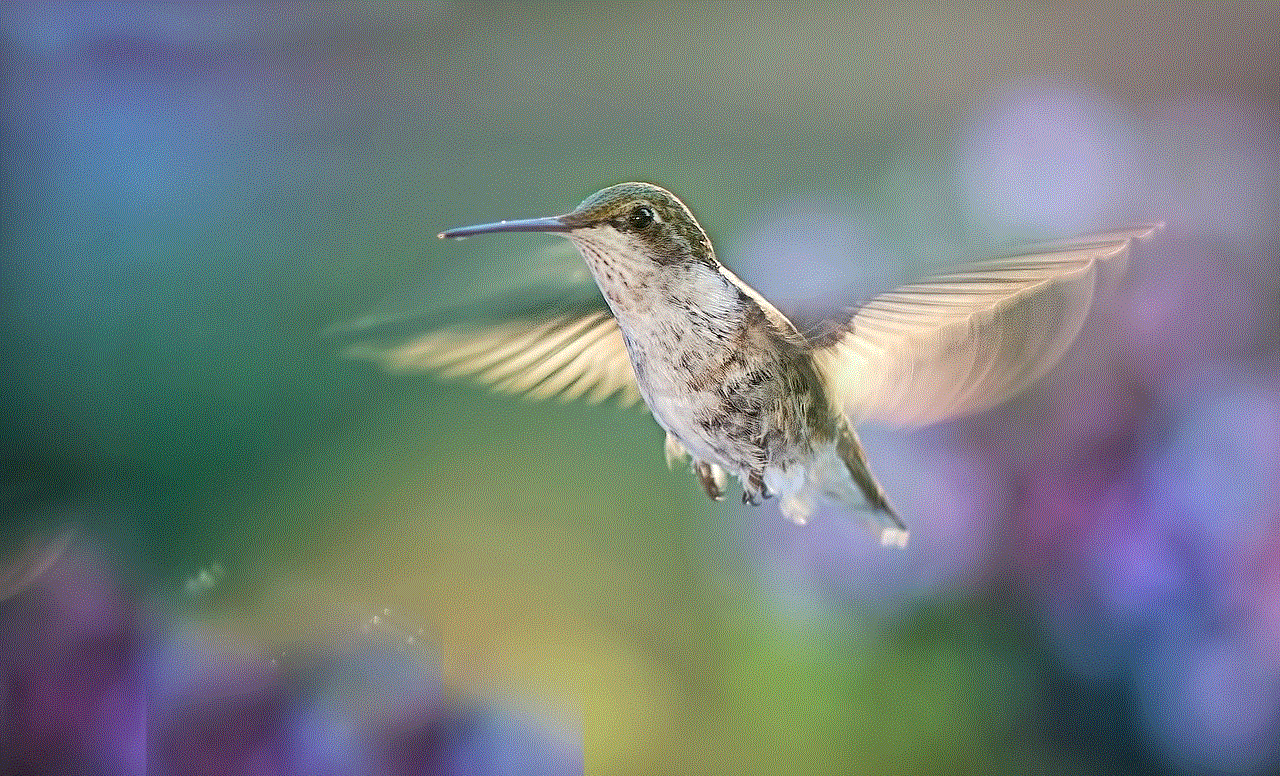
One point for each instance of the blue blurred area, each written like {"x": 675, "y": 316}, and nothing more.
{"x": 193, "y": 194}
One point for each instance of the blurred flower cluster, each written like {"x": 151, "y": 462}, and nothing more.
{"x": 96, "y": 681}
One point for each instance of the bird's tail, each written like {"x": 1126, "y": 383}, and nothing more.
{"x": 840, "y": 472}
{"x": 857, "y": 487}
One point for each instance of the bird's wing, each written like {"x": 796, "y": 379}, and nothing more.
{"x": 964, "y": 341}
{"x": 556, "y": 341}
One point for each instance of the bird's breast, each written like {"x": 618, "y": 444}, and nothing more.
{"x": 723, "y": 398}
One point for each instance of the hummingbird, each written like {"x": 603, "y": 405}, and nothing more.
{"x": 741, "y": 390}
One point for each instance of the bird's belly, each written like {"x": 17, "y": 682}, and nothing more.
{"x": 718, "y": 404}
{"x": 714, "y": 428}
{"x": 679, "y": 414}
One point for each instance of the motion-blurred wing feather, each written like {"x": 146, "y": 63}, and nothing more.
{"x": 566, "y": 355}
{"x": 964, "y": 341}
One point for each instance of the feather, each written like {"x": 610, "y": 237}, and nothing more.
{"x": 967, "y": 340}
{"x": 557, "y": 341}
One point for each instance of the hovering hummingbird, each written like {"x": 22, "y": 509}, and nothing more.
{"x": 735, "y": 384}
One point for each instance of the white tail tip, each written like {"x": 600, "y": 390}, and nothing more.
{"x": 892, "y": 536}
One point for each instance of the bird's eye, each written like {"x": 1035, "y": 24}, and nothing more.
{"x": 640, "y": 217}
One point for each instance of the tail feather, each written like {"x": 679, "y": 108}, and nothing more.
{"x": 839, "y": 471}
{"x": 882, "y": 521}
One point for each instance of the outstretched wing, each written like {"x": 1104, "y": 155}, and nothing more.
{"x": 566, "y": 356}
{"x": 964, "y": 341}
{"x": 554, "y": 339}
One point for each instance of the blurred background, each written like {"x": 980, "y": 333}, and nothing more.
{"x": 274, "y": 560}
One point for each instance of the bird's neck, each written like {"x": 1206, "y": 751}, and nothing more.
{"x": 695, "y": 306}
{"x": 686, "y": 309}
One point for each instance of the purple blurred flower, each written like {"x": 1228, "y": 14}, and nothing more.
{"x": 92, "y": 686}
{"x": 74, "y": 681}
{"x": 1045, "y": 158}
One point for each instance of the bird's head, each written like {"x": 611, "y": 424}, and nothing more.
{"x": 632, "y": 227}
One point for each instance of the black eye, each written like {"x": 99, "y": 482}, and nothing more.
{"x": 640, "y": 217}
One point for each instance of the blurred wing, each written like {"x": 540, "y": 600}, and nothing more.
{"x": 565, "y": 356}
{"x": 965, "y": 341}
{"x": 550, "y": 342}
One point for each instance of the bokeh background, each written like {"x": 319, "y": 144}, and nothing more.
{"x": 286, "y": 562}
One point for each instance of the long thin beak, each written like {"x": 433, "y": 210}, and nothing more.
{"x": 550, "y": 224}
